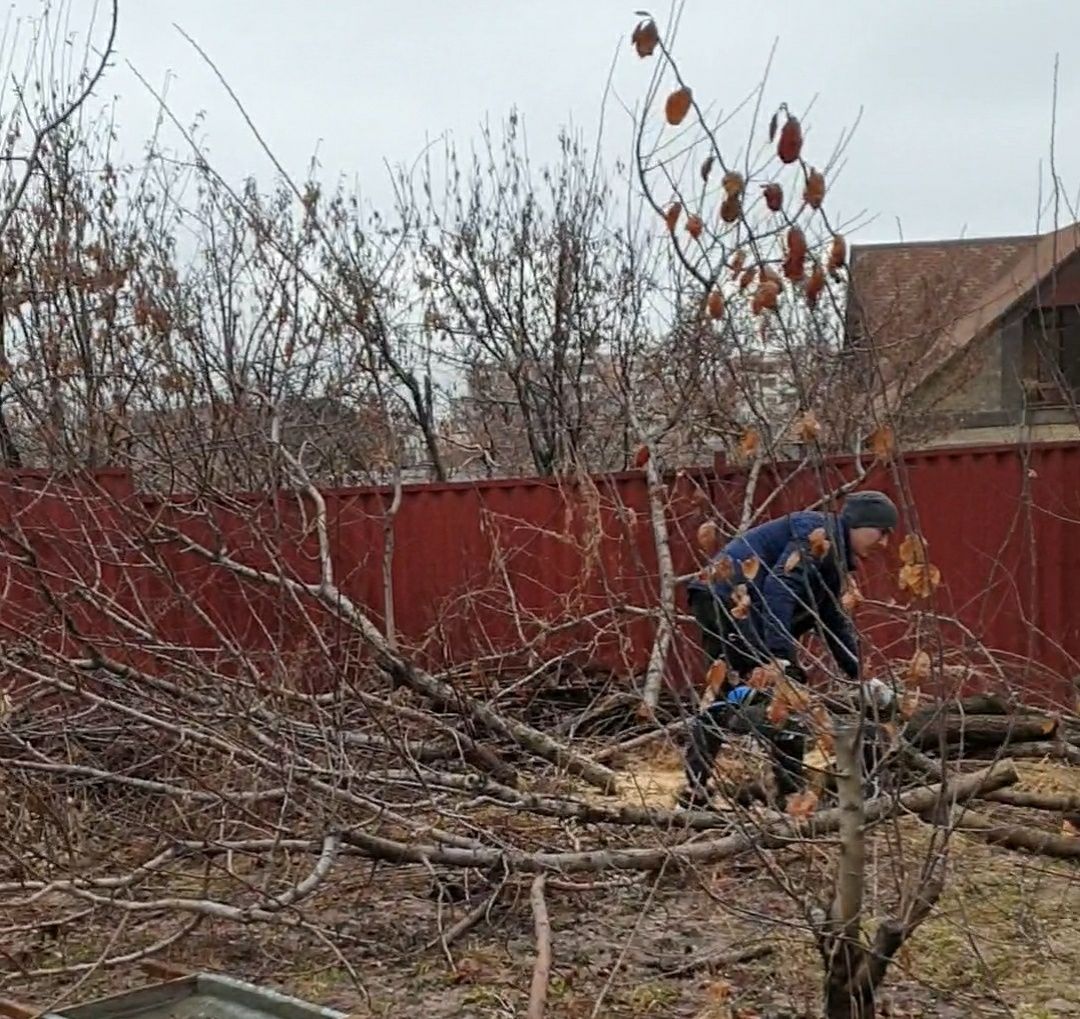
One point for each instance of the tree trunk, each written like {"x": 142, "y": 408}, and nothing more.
{"x": 979, "y": 730}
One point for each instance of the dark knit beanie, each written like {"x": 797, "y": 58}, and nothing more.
{"x": 870, "y": 509}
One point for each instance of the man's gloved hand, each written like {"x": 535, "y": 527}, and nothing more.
{"x": 792, "y": 670}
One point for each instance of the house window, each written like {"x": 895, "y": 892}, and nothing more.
{"x": 1052, "y": 356}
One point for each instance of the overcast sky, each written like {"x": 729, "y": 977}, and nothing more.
{"x": 956, "y": 94}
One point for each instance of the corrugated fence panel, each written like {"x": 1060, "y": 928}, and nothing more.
{"x": 491, "y": 569}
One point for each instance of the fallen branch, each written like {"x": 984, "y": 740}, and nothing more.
{"x": 775, "y": 832}
{"x": 1015, "y": 836}
{"x": 542, "y": 968}
{"x": 979, "y": 730}
{"x": 713, "y": 962}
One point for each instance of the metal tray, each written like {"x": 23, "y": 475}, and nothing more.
{"x": 198, "y": 996}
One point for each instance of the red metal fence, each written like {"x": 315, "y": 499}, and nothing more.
{"x": 483, "y": 570}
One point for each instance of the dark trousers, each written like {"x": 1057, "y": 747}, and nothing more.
{"x": 735, "y": 641}
{"x": 710, "y": 730}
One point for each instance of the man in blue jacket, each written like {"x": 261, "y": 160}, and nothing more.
{"x": 760, "y": 594}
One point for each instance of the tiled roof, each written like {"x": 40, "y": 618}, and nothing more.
{"x": 921, "y": 303}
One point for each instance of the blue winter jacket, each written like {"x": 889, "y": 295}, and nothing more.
{"x": 792, "y": 595}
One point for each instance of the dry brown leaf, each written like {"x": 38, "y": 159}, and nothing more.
{"x": 918, "y": 670}
{"x": 694, "y": 226}
{"x": 738, "y": 260}
{"x": 837, "y": 253}
{"x": 808, "y": 428}
{"x": 719, "y": 991}
{"x": 1068, "y": 828}
{"x": 641, "y": 457}
{"x": 715, "y": 304}
{"x": 645, "y": 38}
{"x": 677, "y": 105}
{"x": 909, "y": 703}
{"x": 852, "y": 597}
{"x": 708, "y": 537}
{"x": 912, "y": 550}
{"x": 747, "y": 277}
{"x": 731, "y": 209}
{"x": 796, "y": 242}
{"x": 792, "y": 561}
{"x": 763, "y": 677}
{"x": 766, "y": 297}
{"x": 814, "y": 286}
{"x": 819, "y": 543}
{"x": 802, "y": 805}
{"x": 706, "y": 168}
{"x": 733, "y": 184}
{"x": 750, "y": 443}
{"x": 740, "y": 602}
{"x": 789, "y": 147}
{"x": 751, "y": 567}
{"x": 723, "y": 569}
{"x": 883, "y": 442}
{"x": 814, "y": 192}
{"x": 774, "y": 197}
{"x": 778, "y": 712}
{"x": 921, "y": 579}
{"x": 671, "y": 217}
{"x": 716, "y": 676}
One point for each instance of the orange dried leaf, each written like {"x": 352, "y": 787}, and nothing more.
{"x": 852, "y": 597}
{"x": 795, "y": 268}
{"x": 792, "y": 561}
{"x": 883, "y": 442}
{"x": 715, "y": 677}
{"x": 641, "y": 457}
{"x": 678, "y": 105}
{"x": 837, "y": 253}
{"x": 762, "y": 678}
{"x": 750, "y": 443}
{"x": 747, "y": 277}
{"x": 802, "y": 805}
{"x": 671, "y": 217}
{"x": 715, "y": 304}
{"x": 737, "y": 262}
{"x": 733, "y": 184}
{"x": 645, "y": 38}
{"x": 909, "y": 703}
{"x": 815, "y": 285}
{"x": 814, "y": 192}
{"x": 796, "y": 242}
{"x": 731, "y": 209}
{"x": 921, "y": 579}
{"x": 912, "y": 550}
{"x": 694, "y": 226}
{"x": 789, "y": 147}
{"x": 708, "y": 537}
{"x": 751, "y": 567}
{"x": 778, "y": 712}
{"x": 819, "y": 543}
{"x": 808, "y": 428}
{"x": 723, "y": 569}
{"x": 918, "y": 670}
{"x": 740, "y": 603}
{"x": 774, "y": 197}
{"x": 767, "y": 297}
{"x": 706, "y": 168}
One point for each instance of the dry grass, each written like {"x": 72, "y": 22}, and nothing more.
{"x": 1005, "y": 938}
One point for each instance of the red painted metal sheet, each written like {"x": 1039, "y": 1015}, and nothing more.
{"x": 492, "y": 569}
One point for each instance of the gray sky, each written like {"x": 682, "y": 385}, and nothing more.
{"x": 956, "y": 93}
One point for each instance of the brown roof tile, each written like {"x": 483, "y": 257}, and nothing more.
{"x": 921, "y": 303}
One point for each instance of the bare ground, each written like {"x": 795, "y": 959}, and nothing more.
{"x": 1004, "y": 940}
